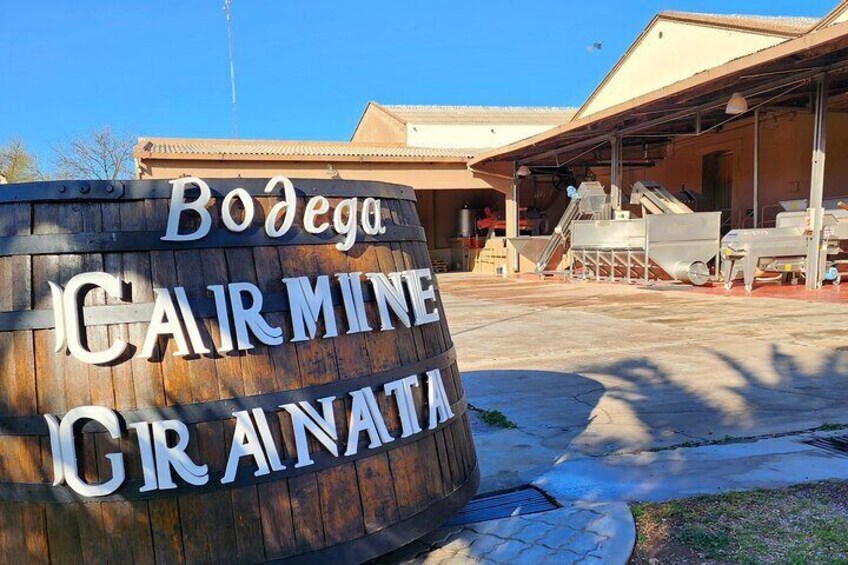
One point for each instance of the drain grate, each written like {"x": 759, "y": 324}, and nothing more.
{"x": 835, "y": 444}
{"x": 504, "y": 504}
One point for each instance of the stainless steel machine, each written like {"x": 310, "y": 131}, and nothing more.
{"x": 669, "y": 241}
{"x": 658, "y": 246}
{"x": 588, "y": 201}
{"x": 779, "y": 253}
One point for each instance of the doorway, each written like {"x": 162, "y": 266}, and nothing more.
{"x": 717, "y": 185}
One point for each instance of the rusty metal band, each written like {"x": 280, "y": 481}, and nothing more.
{"x": 130, "y": 490}
{"x": 35, "y": 425}
{"x": 366, "y": 548}
{"x": 202, "y": 307}
{"x": 128, "y": 190}
{"x": 141, "y": 241}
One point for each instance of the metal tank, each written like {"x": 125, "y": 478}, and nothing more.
{"x": 466, "y": 222}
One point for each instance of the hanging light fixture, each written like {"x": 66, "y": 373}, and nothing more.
{"x": 736, "y": 105}
{"x": 523, "y": 171}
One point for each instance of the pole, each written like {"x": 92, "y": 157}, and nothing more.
{"x": 757, "y": 168}
{"x": 815, "y": 213}
{"x": 615, "y": 173}
{"x": 227, "y": 4}
{"x": 512, "y": 224}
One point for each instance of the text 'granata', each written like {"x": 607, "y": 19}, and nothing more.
{"x": 163, "y": 445}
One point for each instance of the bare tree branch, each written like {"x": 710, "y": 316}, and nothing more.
{"x": 17, "y": 164}
{"x": 101, "y": 155}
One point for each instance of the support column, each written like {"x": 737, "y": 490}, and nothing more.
{"x": 615, "y": 173}
{"x": 815, "y": 212}
{"x": 512, "y": 216}
{"x": 757, "y": 168}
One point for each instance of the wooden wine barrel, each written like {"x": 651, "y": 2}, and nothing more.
{"x": 344, "y": 509}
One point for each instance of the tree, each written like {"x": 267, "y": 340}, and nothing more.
{"x": 100, "y": 155}
{"x": 17, "y": 164}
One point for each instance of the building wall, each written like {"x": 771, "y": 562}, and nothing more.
{"x": 376, "y": 126}
{"x": 420, "y": 175}
{"x": 670, "y": 51}
{"x": 785, "y": 161}
{"x": 464, "y": 136}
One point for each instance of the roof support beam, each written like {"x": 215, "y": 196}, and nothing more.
{"x": 815, "y": 254}
{"x": 797, "y": 78}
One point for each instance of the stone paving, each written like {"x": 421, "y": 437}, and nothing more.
{"x": 576, "y": 533}
{"x": 597, "y": 377}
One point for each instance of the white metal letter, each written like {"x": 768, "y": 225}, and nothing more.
{"x": 323, "y": 428}
{"x": 179, "y": 205}
{"x": 420, "y": 297}
{"x": 73, "y": 298}
{"x": 163, "y": 321}
{"x": 402, "y": 390}
{"x": 388, "y": 292}
{"x": 244, "y": 317}
{"x": 227, "y": 210}
{"x": 109, "y": 420}
{"x": 190, "y": 322}
{"x": 346, "y": 227}
{"x": 245, "y": 443}
{"x": 148, "y": 462}
{"x": 354, "y": 303}
{"x": 174, "y": 457}
{"x": 372, "y": 218}
{"x": 287, "y": 206}
{"x": 437, "y": 399}
{"x": 365, "y": 416}
{"x": 315, "y": 206}
{"x": 307, "y": 304}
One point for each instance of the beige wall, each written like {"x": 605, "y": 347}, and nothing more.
{"x": 474, "y": 136}
{"x": 420, "y": 175}
{"x": 683, "y": 50}
{"x": 842, "y": 17}
{"x": 785, "y": 157}
{"x": 376, "y": 126}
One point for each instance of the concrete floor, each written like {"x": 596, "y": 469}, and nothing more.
{"x": 589, "y": 369}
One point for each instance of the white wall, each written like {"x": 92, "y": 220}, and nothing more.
{"x": 683, "y": 50}
{"x": 469, "y": 136}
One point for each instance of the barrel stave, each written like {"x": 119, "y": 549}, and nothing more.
{"x": 249, "y": 523}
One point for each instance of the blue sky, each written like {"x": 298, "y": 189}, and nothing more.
{"x": 304, "y": 70}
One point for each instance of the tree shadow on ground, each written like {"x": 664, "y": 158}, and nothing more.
{"x": 638, "y": 404}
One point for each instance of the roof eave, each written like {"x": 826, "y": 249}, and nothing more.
{"x": 805, "y": 42}
{"x": 677, "y": 17}
{"x": 158, "y": 156}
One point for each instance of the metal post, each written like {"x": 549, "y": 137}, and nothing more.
{"x": 615, "y": 173}
{"x": 757, "y": 168}
{"x": 815, "y": 212}
{"x": 512, "y": 224}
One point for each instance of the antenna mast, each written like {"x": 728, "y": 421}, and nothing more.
{"x": 227, "y": 4}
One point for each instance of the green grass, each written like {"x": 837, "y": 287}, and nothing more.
{"x": 495, "y": 418}
{"x": 794, "y": 525}
{"x": 830, "y": 428}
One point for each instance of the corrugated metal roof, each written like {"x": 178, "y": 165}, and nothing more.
{"x": 781, "y": 25}
{"x": 245, "y": 148}
{"x": 495, "y": 115}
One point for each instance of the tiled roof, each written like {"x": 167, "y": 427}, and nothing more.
{"x": 495, "y": 115}
{"x": 244, "y": 148}
{"x": 780, "y": 25}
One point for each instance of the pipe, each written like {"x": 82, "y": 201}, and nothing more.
{"x": 757, "y": 168}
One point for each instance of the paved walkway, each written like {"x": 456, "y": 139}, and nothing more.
{"x": 579, "y": 532}
{"x": 598, "y": 377}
